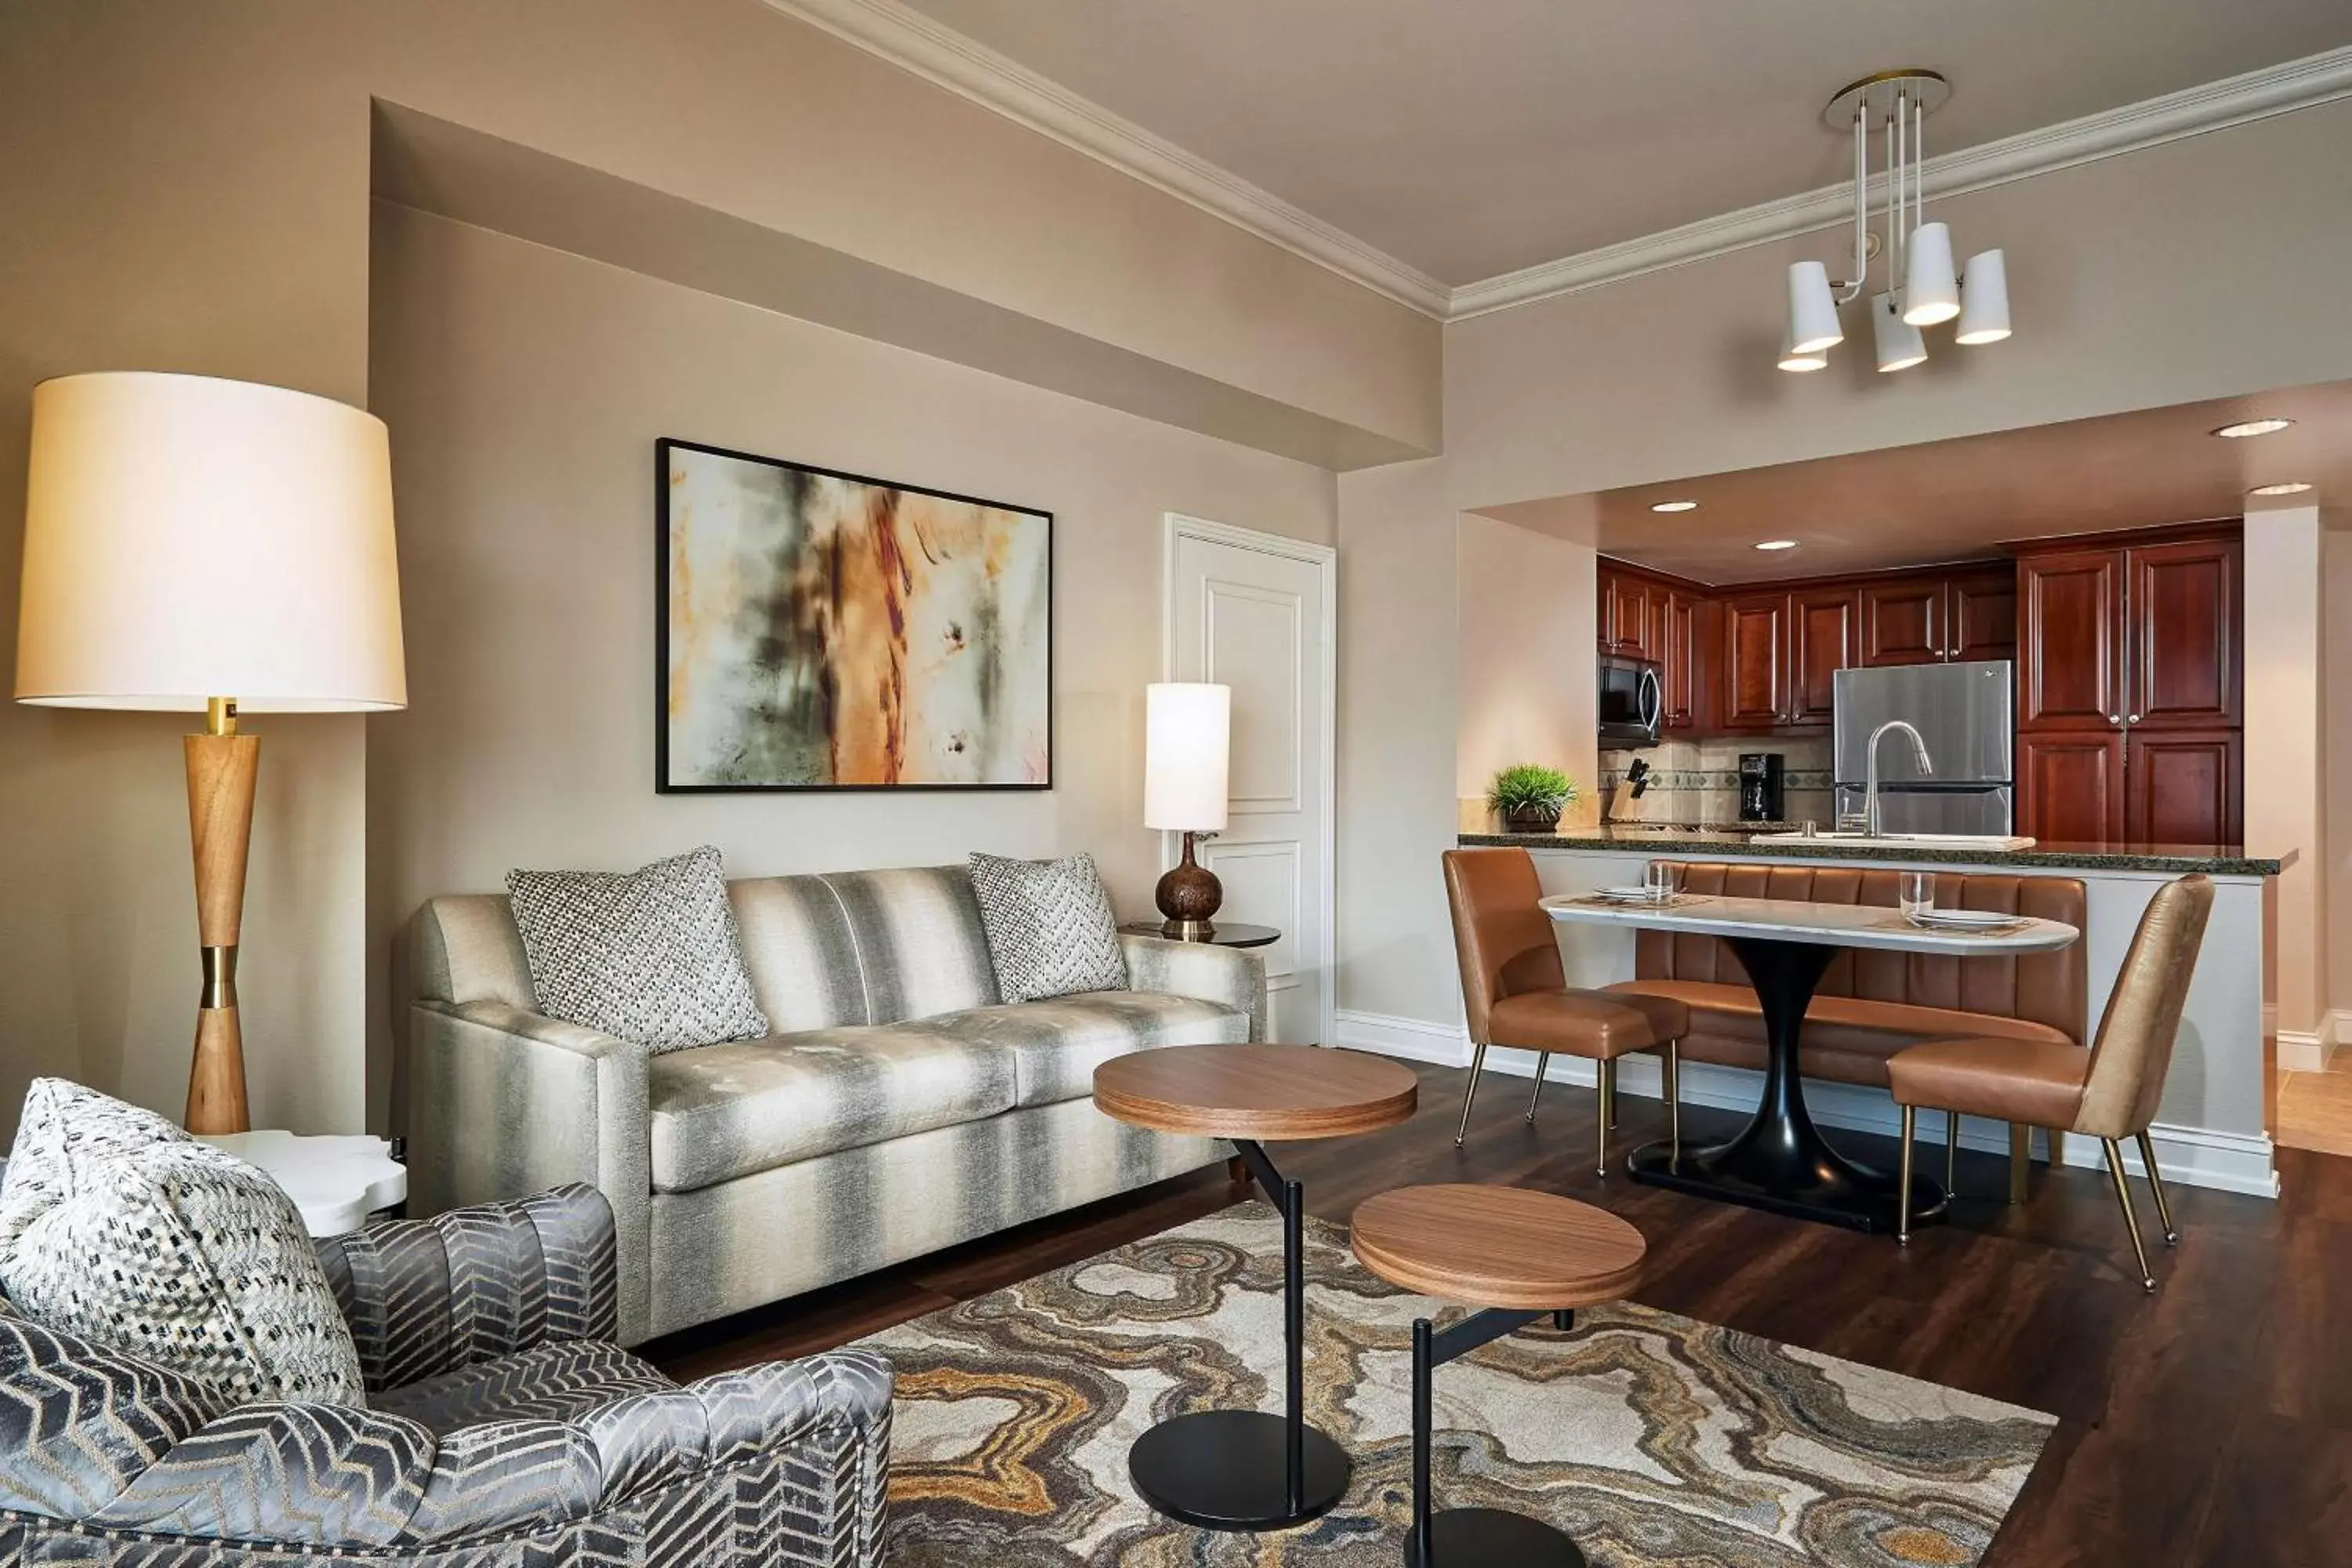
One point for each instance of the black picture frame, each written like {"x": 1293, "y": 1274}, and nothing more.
{"x": 663, "y": 448}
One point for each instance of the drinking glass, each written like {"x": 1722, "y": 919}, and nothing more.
{"x": 1661, "y": 878}
{"x": 1916, "y": 893}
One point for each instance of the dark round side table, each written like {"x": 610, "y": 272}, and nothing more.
{"x": 1224, "y": 933}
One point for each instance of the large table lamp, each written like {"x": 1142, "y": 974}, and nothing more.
{"x": 1188, "y": 730}
{"x": 215, "y": 547}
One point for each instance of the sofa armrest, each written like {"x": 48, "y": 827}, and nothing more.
{"x": 424, "y": 1297}
{"x": 504, "y": 1103}
{"x": 1232, "y": 975}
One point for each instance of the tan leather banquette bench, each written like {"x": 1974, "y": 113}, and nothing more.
{"x": 1871, "y": 1005}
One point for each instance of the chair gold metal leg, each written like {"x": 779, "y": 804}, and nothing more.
{"x": 2055, "y": 1142}
{"x": 1470, "y": 1091}
{"x": 1902, "y": 1179}
{"x": 2020, "y": 1159}
{"x": 1607, "y": 1075}
{"x": 1674, "y": 1100}
{"x": 2131, "y": 1221}
{"x": 1543, "y": 1060}
{"x": 1951, "y": 1149}
{"x": 2155, "y": 1184}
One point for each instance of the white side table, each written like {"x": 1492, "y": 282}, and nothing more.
{"x": 335, "y": 1182}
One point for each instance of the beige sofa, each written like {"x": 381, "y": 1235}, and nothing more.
{"x": 898, "y": 1108}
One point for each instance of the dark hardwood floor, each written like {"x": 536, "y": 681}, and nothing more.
{"x": 2209, "y": 1422}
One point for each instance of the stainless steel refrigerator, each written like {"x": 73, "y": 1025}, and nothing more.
{"x": 1963, "y": 713}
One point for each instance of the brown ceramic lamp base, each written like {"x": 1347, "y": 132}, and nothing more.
{"x": 1188, "y": 896}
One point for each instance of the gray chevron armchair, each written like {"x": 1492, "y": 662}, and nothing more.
{"x": 503, "y": 1429}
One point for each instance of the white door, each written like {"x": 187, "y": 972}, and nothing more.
{"x": 1253, "y": 612}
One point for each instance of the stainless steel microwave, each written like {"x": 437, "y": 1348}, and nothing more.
{"x": 1633, "y": 700}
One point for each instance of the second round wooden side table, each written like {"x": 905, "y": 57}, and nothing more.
{"x": 1247, "y": 1469}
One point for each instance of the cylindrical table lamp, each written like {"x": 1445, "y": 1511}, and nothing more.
{"x": 204, "y": 546}
{"x": 1188, "y": 728}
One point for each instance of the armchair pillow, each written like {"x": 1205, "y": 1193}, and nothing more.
{"x": 650, "y": 955}
{"x": 1049, "y": 925}
{"x": 119, "y": 1227}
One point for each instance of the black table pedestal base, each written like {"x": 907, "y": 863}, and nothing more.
{"x": 1779, "y": 1162}
{"x": 1490, "y": 1538}
{"x": 1228, "y": 1469}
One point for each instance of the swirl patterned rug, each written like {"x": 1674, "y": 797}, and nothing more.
{"x": 1649, "y": 1438}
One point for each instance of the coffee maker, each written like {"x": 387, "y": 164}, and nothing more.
{"x": 1760, "y": 798}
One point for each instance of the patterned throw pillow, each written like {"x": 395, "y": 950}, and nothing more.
{"x": 651, "y": 955}
{"x": 118, "y": 1227}
{"x": 1050, "y": 928}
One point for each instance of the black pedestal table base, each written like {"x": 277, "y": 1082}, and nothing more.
{"x": 1246, "y": 1470}
{"x": 1779, "y": 1162}
{"x": 1471, "y": 1537}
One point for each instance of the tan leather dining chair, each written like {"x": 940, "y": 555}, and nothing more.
{"x": 2108, "y": 1092}
{"x": 1516, "y": 992}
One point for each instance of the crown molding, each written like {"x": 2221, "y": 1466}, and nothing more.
{"x": 2215, "y": 105}
{"x": 945, "y": 57}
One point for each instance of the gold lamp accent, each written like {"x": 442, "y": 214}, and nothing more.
{"x": 199, "y": 545}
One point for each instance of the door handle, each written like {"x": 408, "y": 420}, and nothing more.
{"x": 2133, "y": 720}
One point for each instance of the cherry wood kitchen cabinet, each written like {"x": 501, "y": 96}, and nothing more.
{"x": 1980, "y": 615}
{"x": 2183, "y": 786}
{"x": 1678, "y": 616}
{"x": 1754, "y": 691}
{"x": 2185, "y": 648}
{"x": 2070, "y": 664}
{"x": 1624, "y": 619}
{"x": 1825, "y": 636}
{"x": 2070, "y": 787}
{"x": 1902, "y": 621}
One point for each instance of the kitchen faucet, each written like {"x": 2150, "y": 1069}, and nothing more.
{"x": 1869, "y": 770}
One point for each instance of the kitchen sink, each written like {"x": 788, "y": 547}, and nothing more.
{"x": 1993, "y": 842}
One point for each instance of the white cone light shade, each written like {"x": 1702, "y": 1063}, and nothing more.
{"x": 1188, "y": 730}
{"x": 1899, "y": 344}
{"x": 1792, "y": 359}
{"x": 1931, "y": 291}
{"x": 188, "y": 538}
{"x": 1984, "y": 300}
{"x": 1813, "y": 310}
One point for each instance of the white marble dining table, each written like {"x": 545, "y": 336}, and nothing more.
{"x": 1779, "y": 1161}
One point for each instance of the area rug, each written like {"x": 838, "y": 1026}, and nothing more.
{"x": 1649, "y": 1438}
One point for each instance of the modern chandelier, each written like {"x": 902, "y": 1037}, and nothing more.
{"x": 1921, "y": 289}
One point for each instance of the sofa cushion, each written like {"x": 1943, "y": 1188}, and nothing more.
{"x": 649, "y": 955}
{"x": 1056, "y": 1045}
{"x": 1847, "y": 1039}
{"x": 121, "y": 1228}
{"x": 863, "y": 947}
{"x": 722, "y": 1111}
{"x": 1050, "y": 928}
{"x": 550, "y": 1383}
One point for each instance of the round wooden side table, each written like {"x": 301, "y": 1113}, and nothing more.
{"x": 1247, "y": 1469}
{"x": 1521, "y": 1256}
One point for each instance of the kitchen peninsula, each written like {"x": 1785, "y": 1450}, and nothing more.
{"x": 2212, "y": 1128}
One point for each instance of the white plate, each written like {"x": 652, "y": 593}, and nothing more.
{"x": 1625, "y": 895}
{"x": 1965, "y": 920}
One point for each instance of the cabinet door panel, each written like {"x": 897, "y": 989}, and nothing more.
{"x": 2185, "y": 639}
{"x": 2071, "y": 641}
{"x": 1981, "y": 617}
{"x": 2183, "y": 787}
{"x": 1903, "y": 622}
{"x": 1677, "y": 649}
{"x": 1825, "y": 626}
{"x": 2071, "y": 788}
{"x": 1629, "y": 615}
{"x": 1755, "y": 659}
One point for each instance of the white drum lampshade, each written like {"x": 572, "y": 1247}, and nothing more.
{"x": 1188, "y": 728}
{"x": 1984, "y": 300}
{"x": 1931, "y": 291}
{"x": 1812, "y": 309}
{"x": 209, "y": 546}
{"x": 1790, "y": 360}
{"x": 187, "y": 539}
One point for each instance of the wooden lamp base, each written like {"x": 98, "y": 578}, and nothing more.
{"x": 222, "y": 767}
{"x": 1188, "y": 896}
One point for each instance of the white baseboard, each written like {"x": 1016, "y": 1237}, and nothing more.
{"x": 2301, "y": 1050}
{"x": 2191, "y": 1156}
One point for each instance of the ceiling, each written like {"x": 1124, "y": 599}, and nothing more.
{"x": 1951, "y": 500}
{"x": 1472, "y": 140}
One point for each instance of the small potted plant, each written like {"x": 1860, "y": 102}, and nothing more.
{"x": 1530, "y": 797}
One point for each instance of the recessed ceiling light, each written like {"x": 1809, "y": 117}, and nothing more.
{"x": 2246, "y": 427}
{"x": 2290, "y": 487}
{"x": 1778, "y": 545}
{"x": 1674, "y": 506}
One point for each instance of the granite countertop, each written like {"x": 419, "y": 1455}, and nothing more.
{"x": 2215, "y": 860}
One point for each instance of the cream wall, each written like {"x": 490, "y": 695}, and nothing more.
{"x": 2286, "y": 761}
{"x": 2336, "y": 703}
{"x": 529, "y": 387}
{"x": 1525, "y": 686}
{"x": 186, "y": 187}
{"x": 2183, "y": 272}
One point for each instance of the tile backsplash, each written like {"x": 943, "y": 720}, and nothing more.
{"x": 1698, "y": 781}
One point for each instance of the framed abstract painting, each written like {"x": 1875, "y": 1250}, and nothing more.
{"x": 822, "y": 630}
